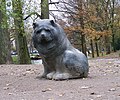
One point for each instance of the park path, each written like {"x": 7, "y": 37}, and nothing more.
{"x": 21, "y": 82}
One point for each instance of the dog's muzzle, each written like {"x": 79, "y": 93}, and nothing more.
{"x": 45, "y": 37}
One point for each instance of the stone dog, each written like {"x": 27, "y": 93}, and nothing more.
{"x": 60, "y": 59}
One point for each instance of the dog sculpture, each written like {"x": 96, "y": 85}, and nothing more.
{"x": 60, "y": 59}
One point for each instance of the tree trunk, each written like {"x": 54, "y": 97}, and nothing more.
{"x": 22, "y": 49}
{"x": 92, "y": 48}
{"x": 112, "y": 25}
{"x": 83, "y": 42}
{"x": 5, "y": 49}
{"x": 97, "y": 50}
{"x": 107, "y": 38}
{"x": 107, "y": 44}
{"x": 44, "y": 9}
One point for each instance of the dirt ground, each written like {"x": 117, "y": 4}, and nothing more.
{"x": 22, "y": 82}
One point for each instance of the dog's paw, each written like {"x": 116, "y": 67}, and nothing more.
{"x": 50, "y": 75}
{"x": 61, "y": 76}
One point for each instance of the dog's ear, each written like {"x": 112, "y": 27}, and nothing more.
{"x": 35, "y": 25}
{"x": 52, "y": 22}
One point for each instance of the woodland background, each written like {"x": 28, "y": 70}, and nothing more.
{"x": 93, "y": 26}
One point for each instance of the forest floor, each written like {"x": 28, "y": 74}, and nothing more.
{"x": 22, "y": 82}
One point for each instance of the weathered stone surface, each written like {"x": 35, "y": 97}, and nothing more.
{"x": 60, "y": 59}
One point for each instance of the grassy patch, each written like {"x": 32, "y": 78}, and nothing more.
{"x": 15, "y": 59}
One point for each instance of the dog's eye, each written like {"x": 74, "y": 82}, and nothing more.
{"x": 47, "y": 30}
{"x": 38, "y": 31}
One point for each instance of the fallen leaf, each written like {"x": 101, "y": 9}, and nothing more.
{"x": 117, "y": 65}
{"x": 5, "y": 88}
{"x": 48, "y": 89}
{"x": 109, "y": 62}
{"x": 8, "y": 84}
{"x": 10, "y": 93}
{"x": 61, "y": 94}
{"x": 112, "y": 89}
{"x": 85, "y": 87}
{"x": 28, "y": 69}
{"x": 98, "y": 96}
{"x": 92, "y": 93}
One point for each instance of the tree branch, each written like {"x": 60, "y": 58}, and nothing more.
{"x": 33, "y": 13}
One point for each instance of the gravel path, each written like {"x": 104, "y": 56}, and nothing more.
{"x": 21, "y": 82}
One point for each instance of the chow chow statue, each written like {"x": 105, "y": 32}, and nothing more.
{"x": 60, "y": 59}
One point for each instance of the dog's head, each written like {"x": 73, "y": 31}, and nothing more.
{"x": 47, "y": 35}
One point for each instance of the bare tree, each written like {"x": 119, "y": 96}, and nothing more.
{"x": 5, "y": 50}
{"x": 44, "y": 9}
{"x": 22, "y": 49}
